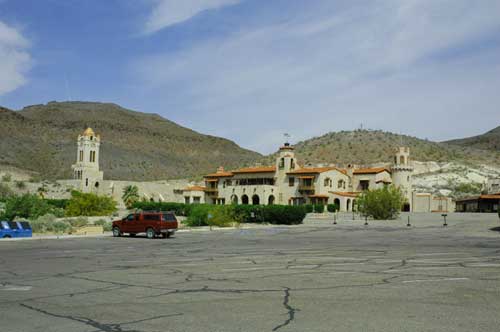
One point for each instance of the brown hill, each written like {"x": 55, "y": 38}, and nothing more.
{"x": 374, "y": 146}
{"x": 136, "y": 146}
{"x": 486, "y": 141}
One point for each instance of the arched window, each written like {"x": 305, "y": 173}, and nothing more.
{"x": 282, "y": 163}
{"x": 340, "y": 184}
{"x": 244, "y": 199}
{"x": 348, "y": 208}
{"x": 336, "y": 201}
{"x": 270, "y": 200}
{"x": 402, "y": 160}
{"x": 292, "y": 164}
{"x": 255, "y": 200}
{"x": 327, "y": 182}
{"x": 234, "y": 199}
{"x": 97, "y": 184}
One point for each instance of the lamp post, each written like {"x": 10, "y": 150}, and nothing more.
{"x": 408, "y": 224}
{"x": 444, "y": 215}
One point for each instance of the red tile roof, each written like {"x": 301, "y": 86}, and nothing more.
{"x": 345, "y": 194}
{"x": 258, "y": 169}
{"x": 219, "y": 175}
{"x": 315, "y": 170}
{"x": 374, "y": 170}
{"x": 195, "y": 188}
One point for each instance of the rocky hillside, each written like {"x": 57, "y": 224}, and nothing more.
{"x": 136, "y": 146}
{"x": 487, "y": 141}
{"x": 366, "y": 147}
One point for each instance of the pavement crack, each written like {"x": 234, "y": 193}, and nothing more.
{"x": 111, "y": 327}
{"x": 290, "y": 310}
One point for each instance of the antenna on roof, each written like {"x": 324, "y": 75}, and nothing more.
{"x": 287, "y": 137}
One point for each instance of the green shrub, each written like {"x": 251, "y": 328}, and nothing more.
{"x": 284, "y": 214}
{"x": 249, "y": 213}
{"x": 332, "y": 207}
{"x": 222, "y": 216}
{"x": 6, "y": 177}
{"x": 20, "y": 185}
{"x": 88, "y": 204}
{"x": 319, "y": 208}
{"x": 381, "y": 204}
{"x": 29, "y": 206}
{"x": 58, "y": 203}
{"x": 179, "y": 209}
{"x": 309, "y": 208}
{"x": 198, "y": 216}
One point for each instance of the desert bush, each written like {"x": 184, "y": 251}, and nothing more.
{"x": 198, "y": 215}
{"x": 5, "y": 192}
{"x": 284, "y": 214}
{"x": 78, "y": 222}
{"x": 381, "y": 204}
{"x": 20, "y": 185}
{"x": 58, "y": 203}
{"x": 49, "y": 223}
{"x": 106, "y": 225}
{"x": 6, "y": 177}
{"x": 309, "y": 208}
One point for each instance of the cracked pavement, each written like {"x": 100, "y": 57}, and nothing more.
{"x": 313, "y": 277}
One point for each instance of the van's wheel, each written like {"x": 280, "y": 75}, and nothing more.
{"x": 116, "y": 232}
{"x": 150, "y": 233}
{"x": 7, "y": 237}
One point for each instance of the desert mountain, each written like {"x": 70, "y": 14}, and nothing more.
{"x": 135, "y": 146}
{"x": 486, "y": 141}
{"x": 364, "y": 147}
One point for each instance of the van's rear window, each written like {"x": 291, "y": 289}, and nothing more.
{"x": 13, "y": 225}
{"x": 26, "y": 225}
{"x": 169, "y": 217}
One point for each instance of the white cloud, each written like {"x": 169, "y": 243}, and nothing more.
{"x": 14, "y": 59}
{"x": 389, "y": 64}
{"x": 169, "y": 12}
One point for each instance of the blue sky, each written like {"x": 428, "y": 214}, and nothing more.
{"x": 250, "y": 70}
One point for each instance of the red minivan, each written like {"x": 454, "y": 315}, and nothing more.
{"x": 152, "y": 223}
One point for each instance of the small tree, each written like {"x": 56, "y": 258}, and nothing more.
{"x": 87, "y": 204}
{"x": 381, "y": 204}
{"x": 130, "y": 196}
{"x": 28, "y": 206}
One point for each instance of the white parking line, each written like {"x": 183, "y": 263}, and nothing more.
{"x": 435, "y": 280}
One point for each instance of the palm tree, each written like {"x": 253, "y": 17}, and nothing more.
{"x": 130, "y": 195}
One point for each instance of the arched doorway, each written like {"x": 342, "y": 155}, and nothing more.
{"x": 244, "y": 199}
{"x": 354, "y": 205}
{"x": 270, "y": 200}
{"x": 336, "y": 202}
{"x": 348, "y": 206}
{"x": 234, "y": 199}
{"x": 255, "y": 200}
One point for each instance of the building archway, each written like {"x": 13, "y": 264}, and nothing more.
{"x": 255, "y": 200}
{"x": 402, "y": 160}
{"x": 348, "y": 206}
{"x": 244, "y": 199}
{"x": 354, "y": 207}
{"x": 336, "y": 201}
{"x": 270, "y": 200}
{"x": 234, "y": 199}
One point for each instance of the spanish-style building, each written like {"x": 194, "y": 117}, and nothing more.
{"x": 288, "y": 183}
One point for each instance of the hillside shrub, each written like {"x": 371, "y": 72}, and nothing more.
{"x": 381, "y": 204}
{"x": 20, "y": 185}
{"x": 5, "y": 192}
{"x": 88, "y": 204}
{"x": 78, "y": 222}
{"x": 6, "y": 177}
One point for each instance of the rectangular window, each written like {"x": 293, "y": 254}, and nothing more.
{"x": 291, "y": 181}
{"x": 81, "y": 155}
{"x": 186, "y": 200}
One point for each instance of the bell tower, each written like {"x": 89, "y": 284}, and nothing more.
{"x": 402, "y": 171}
{"x": 86, "y": 169}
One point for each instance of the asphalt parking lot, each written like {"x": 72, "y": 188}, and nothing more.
{"x": 313, "y": 277}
